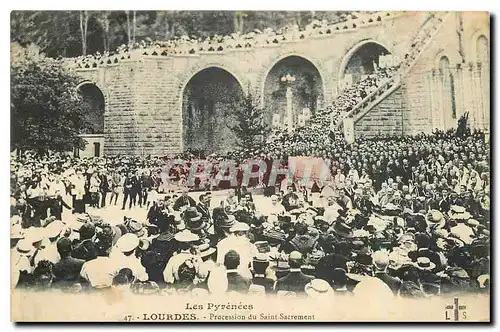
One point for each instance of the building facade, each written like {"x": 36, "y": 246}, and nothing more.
{"x": 152, "y": 102}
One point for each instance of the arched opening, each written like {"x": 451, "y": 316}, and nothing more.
{"x": 482, "y": 49}
{"x": 307, "y": 89}
{"x": 207, "y": 103}
{"x": 93, "y": 105}
{"x": 447, "y": 88}
{"x": 363, "y": 61}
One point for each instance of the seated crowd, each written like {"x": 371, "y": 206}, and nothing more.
{"x": 217, "y": 43}
{"x": 410, "y": 214}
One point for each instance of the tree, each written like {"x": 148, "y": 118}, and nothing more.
{"x": 84, "y": 19}
{"x": 250, "y": 128}
{"x": 46, "y": 110}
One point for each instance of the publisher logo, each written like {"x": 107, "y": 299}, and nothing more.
{"x": 455, "y": 311}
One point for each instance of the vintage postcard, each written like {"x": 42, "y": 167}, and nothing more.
{"x": 224, "y": 166}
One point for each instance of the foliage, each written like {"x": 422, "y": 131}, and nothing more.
{"x": 73, "y": 33}
{"x": 250, "y": 128}
{"x": 46, "y": 110}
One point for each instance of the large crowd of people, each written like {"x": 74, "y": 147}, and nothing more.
{"x": 195, "y": 45}
{"x": 408, "y": 215}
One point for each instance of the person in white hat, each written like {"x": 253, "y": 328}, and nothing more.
{"x": 20, "y": 258}
{"x": 319, "y": 289}
{"x": 275, "y": 208}
{"x": 124, "y": 256}
{"x": 186, "y": 240}
{"x": 380, "y": 263}
{"x": 239, "y": 242}
{"x": 99, "y": 272}
{"x": 52, "y": 232}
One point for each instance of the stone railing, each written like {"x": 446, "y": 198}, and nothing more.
{"x": 220, "y": 44}
{"x": 420, "y": 42}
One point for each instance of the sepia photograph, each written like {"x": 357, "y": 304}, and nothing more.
{"x": 250, "y": 166}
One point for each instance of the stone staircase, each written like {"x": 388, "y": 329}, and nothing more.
{"x": 420, "y": 43}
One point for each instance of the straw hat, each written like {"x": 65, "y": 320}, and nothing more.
{"x": 127, "y": 242}
{"x": 318, "y": 288}
{"x": 424, "y": 263}
{"x": 186, "y": 236}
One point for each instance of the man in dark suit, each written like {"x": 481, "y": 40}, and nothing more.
{"x": 202, "y": 207}
{"x": 444, "y": 203}
{"x": 57, "y": 205}
{"x": 260, "y": 264}
{"x": 67, "y": 270}
{"x": 235, "y": 281}
{"x": 128, "y": 191}
{"x": 380, "y": 263}
{"x": 295, "y": 280}
{"x": 85, "y": 248}
{"x": 184, "y": 200}
{"x": 136, "y": 189}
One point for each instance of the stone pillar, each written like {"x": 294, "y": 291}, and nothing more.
{"x": 289, "y": 112}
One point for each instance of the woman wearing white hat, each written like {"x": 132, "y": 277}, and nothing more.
{"x": 125, "y": 258}
{"x": 186, "y": 240}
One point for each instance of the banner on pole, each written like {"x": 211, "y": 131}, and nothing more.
{"x": 349, "y": 130}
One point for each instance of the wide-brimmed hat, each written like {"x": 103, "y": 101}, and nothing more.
{"x": 127, "y": 242}
{"x": 424, "y": 263}
{"x": 205, "y": 250}
{"x": 144, "y": 244}
{"x": 191, "y": 214}
{"x": 83, "y": 218}
{"x": 472, "y": 223}
{"x": 35, "y": 234}
{"x": 313, "y": 210}
{"x": 16, "y": 232}
{"x": 24, "y": 246}
{"x": 136, "y": 228}
{"x": 239, "y": 227}
{"x": 342, "y": 229}
{"x": 457, "y": 209}
{"x": 434, "y": 217}
{"x": 227, "y": 221}
{"x": 261, "y": 258}
{"x": 54, "y": 228}
{"x": 186, "y": 236}
{"x": 318, "y": 288}
{"x": 195, "y": 225}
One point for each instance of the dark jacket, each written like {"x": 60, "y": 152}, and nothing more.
{"x": 56, "y": 208}
{"x": 393, "y": 283}
{"x": 237, "y": 283}
{"x": 328, "y": 263}
{"x": 85, "y": 250}
{"x": 67, "y": 270}
{"x": 205, "y": 212}
{"x": 295, "y": 281}
{"x": 263, "y": 281}
{"x": 130, "y": 184}
{"x": 184, "y": 200}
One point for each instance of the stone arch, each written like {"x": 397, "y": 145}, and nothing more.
{"x": 244, "y": 83}
{"x": 184, "y": 80}
{"x": 205, "y": 102}
{"x": 473, "y": 43}
{"x": 96, "y": 103}
{"x": 447, "y": 82}
{"x": 354, "y": 49}
{"x": 482, "y": 49}
{"x": 273, "y": 62}
{"x": 306, "y": 92}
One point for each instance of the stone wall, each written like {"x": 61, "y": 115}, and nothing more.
{"x": 386, "y": 118}
{"x": 455, "y": 40}
{"x": 143, "y": 95}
